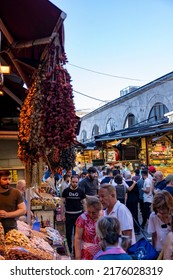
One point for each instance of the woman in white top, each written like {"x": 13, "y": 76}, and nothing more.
{"x": 160, "y": 219}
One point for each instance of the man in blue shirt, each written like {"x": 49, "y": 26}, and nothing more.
{"x": 159, "y": 183}
{"x": 169, "y": 184}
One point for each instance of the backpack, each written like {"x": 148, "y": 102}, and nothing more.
{"x": 121, "y": 193}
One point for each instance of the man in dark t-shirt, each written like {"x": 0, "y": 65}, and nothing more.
{"x": 74, "y": 200}
{"x": 108, "y": 177}
{"x": 90, "y": 184}
{"x": 11, "y": 202}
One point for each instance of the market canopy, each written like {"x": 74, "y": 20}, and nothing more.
{"x": 159, "y": 129}
{"x": 27, "y": 27}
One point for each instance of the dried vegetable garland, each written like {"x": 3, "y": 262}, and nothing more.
{"x": 25, "y": 150}
{"x": 66, "y": 159}
{"x": 48, "y": 119}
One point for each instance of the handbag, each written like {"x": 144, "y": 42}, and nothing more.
{"x": 142, "y": 250}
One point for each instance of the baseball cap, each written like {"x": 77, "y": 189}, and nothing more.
{"x": 152, "y": 169}
{"x": 169, "y": 178}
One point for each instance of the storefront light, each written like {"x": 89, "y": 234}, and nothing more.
{"x": 4, "y": 69}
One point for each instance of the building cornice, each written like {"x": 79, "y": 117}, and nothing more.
{"x": 121, "y": 99}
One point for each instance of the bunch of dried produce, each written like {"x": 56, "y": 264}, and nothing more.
{"x": 53, "y": 121}
{"x": 15, "y": 237}
{"x": 64, "y": 159}
{"x": 25, "y": 149}
{"x": 67, "y": 158}
{"x": 19, "y": 254}
{"x": 48, "y": 119}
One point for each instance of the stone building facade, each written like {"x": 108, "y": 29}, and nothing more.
{"x": 143, "y": 105}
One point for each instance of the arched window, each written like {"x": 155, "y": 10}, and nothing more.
{"x": 110, "y": 126}
{"x": 83, "y": 135}
{"x": 157, "y": 112}
{"x": 95, "y": 130}
{"x": 130, "y": 121}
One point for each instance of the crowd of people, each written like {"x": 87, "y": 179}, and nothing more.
{"x": 104, "y": 210}
{"x": 131, "y": 202}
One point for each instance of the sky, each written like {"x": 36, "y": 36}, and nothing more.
{"x": 120, "y": 43}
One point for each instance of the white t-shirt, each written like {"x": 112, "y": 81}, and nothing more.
{"x": 122, "y": 213}
{"x": 150, "y": 177}
{"x": 64, "y": 185}
{"x": 154, "y": 225}
{"x": 148, "y": 197}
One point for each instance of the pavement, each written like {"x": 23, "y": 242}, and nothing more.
{"x": 143, "y": 232}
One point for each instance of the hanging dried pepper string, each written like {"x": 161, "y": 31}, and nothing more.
{"x": 48, "y": 120}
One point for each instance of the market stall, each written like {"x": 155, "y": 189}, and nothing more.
{"x": 46, "y": 207}
{"x": 47, "y": 121}
{"x": 42, "y": 239}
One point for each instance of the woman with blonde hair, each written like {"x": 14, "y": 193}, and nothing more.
{"x": 108, "y": 231}
{"x": 86, "y": 242}
{"x": 159, "y": 224}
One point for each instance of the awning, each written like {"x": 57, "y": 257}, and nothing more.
{"x": 79, "y": 145}
{"x": 158, "y": 130}
{"x": 90, "y": 145}
{"x": 27, "y": 27}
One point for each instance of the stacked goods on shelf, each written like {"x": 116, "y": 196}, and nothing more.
{"x": 43, "y": 201}
{"x": 166, "y": 170}
{"x": 48, "y": 201}
{"x": 44, "y": 207}
{"x": 36, "y": 203}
